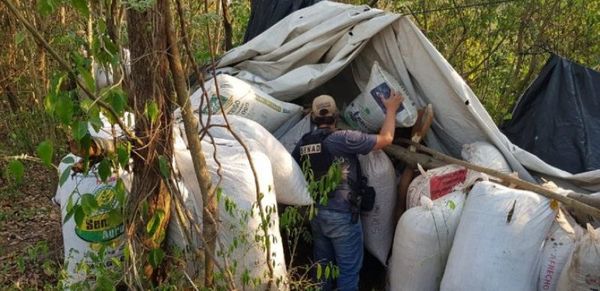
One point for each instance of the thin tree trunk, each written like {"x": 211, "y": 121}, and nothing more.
{"x": 227, "y": 26}
{"x": 147, "y": 38}
{"x": 209, "y": 202}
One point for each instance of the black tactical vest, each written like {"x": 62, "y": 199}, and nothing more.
{"x": 312, "y": 147}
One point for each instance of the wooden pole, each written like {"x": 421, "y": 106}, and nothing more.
{"x": 569, "y": 200}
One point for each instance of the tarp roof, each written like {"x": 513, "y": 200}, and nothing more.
{"x": 311, "y": 46}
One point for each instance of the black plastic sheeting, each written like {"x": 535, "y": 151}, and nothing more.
{"x": 558, "y": 117}
{"x": 265, "y": 13}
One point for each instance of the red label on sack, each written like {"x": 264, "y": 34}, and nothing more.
{"x": 444, "y": 184}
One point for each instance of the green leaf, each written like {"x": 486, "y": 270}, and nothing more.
{"x": 154, "y": 223}
{"x": 16, "y": 170}
{"x": 81, "y": 6}
{"x": 46, "y": 7}
{"x": 120, "y": 191}
{"x": 70, "y": 209}
{"x": 115, "y": 217}
{"x": 123, "y": 155}
{"x": 88, "y": 203}
{"x": 319, "y": 271}
{"x": 19, "y": 37}
{"x": 79, "y": 215}
{"x": 87, "y": 77}
{"x": 163, "y": 166}
{"x": 451, "y": 204}
{"x": 64, "y": 108}
{"x": 45, "y": 151}
{"x": 104, "y": 169}
{"x": 155, "y": 257}
{"x": 152, "y": 111}
{"x": 79, "y": 129}
{"x": 117, "y": 100}
{"x": 68, "y": 160}
{"x": 65, "y": 176}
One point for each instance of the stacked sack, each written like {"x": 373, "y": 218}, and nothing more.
{"x": 290, "y": 185}
{"x": 499, "y": 240}
{"x": 96, "y": 230}
{"x": 486, "y": 155}
{"x": 241, "y": 99}
{"x": 378, "y": 224}
{"x": 98, "y": 237}
{"x": 367, "y": 112}
{"x": 239, "y": 211}
{"x": 582, "y": 270}
{"x": 557, "y": 249}
{"x": 424, "y": 236}
{"x": 437, "y": 182}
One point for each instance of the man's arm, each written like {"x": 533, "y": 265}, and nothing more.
{"x": 386, "y": 133}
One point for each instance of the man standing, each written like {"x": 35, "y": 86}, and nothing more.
{"x": 337, "y": 232}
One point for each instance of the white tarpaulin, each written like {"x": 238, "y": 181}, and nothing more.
{"x": 311, "y": 46}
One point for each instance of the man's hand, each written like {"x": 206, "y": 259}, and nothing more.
{"x": 386, "y": 134}
{"x": 394, "y": 102}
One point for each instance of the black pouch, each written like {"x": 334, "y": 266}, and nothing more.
{"x": 367, "y": 198}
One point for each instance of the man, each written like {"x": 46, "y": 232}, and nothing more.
{"x": 337, "y": 233}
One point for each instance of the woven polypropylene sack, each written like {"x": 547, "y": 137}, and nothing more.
{"x": 378, "y": 224}
{"x": 422, "y": 243}
{"x": 499, "y": 240}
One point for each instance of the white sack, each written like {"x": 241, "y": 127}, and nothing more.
{"x": 582, "y": 271}
{"x": 436, "y": 183}
{"x": 291, "y": 138}
{"x": 367, "y": 111}
{"x": 240, "y": 224}
{"x": 557, "y": 249}
{"x": 291, "y": 187}
{"x": 378, "y": 224}
{"x": 486, "y": 155}
{"x": 422, "y": 243}
{"x": 496, "y": 246}
{"x": 81, "y": 241}
{"x": 240, "y": 98}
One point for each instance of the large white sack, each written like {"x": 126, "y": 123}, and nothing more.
{"x": 422, "y": 243}
{"x": 239, "y": 224}
{"x": 557, "y": 249}
{"x": 291, "y": 138}
{"x": 367, "y": 111}
{"x": 82, "y": 241}
{"x": 378, "y": 224}
{"x": 582, "y": 271}
{"x": 499, "y": 240}
{"x": 240, "y": 98}
{"x": 436, "y": 183}
{"x": 291, "y": 187}
{"x": 486, "y": 155}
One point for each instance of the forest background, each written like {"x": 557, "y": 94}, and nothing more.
{"x": 498, "y": 47}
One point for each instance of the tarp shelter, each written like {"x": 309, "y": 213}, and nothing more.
{"x": 558, "y": 117}
{"x": 317, "y": 46}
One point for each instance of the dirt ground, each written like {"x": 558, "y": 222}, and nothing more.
{"x": 30, "y": 231}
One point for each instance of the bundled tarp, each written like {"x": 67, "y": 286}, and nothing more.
{"x": 311, "y": 46}
{"x": 558, "y": 117}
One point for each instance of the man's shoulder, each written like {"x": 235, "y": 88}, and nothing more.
{"x": 351, "y": 141}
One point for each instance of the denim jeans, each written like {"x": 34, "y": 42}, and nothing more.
{"x": 338, "y": 241}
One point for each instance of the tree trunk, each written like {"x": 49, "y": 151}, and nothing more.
{"x": 147, "y": 38}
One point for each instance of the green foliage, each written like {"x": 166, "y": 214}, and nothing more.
{"x": 45, "y": 151}
{"x": 16, "y": 170}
